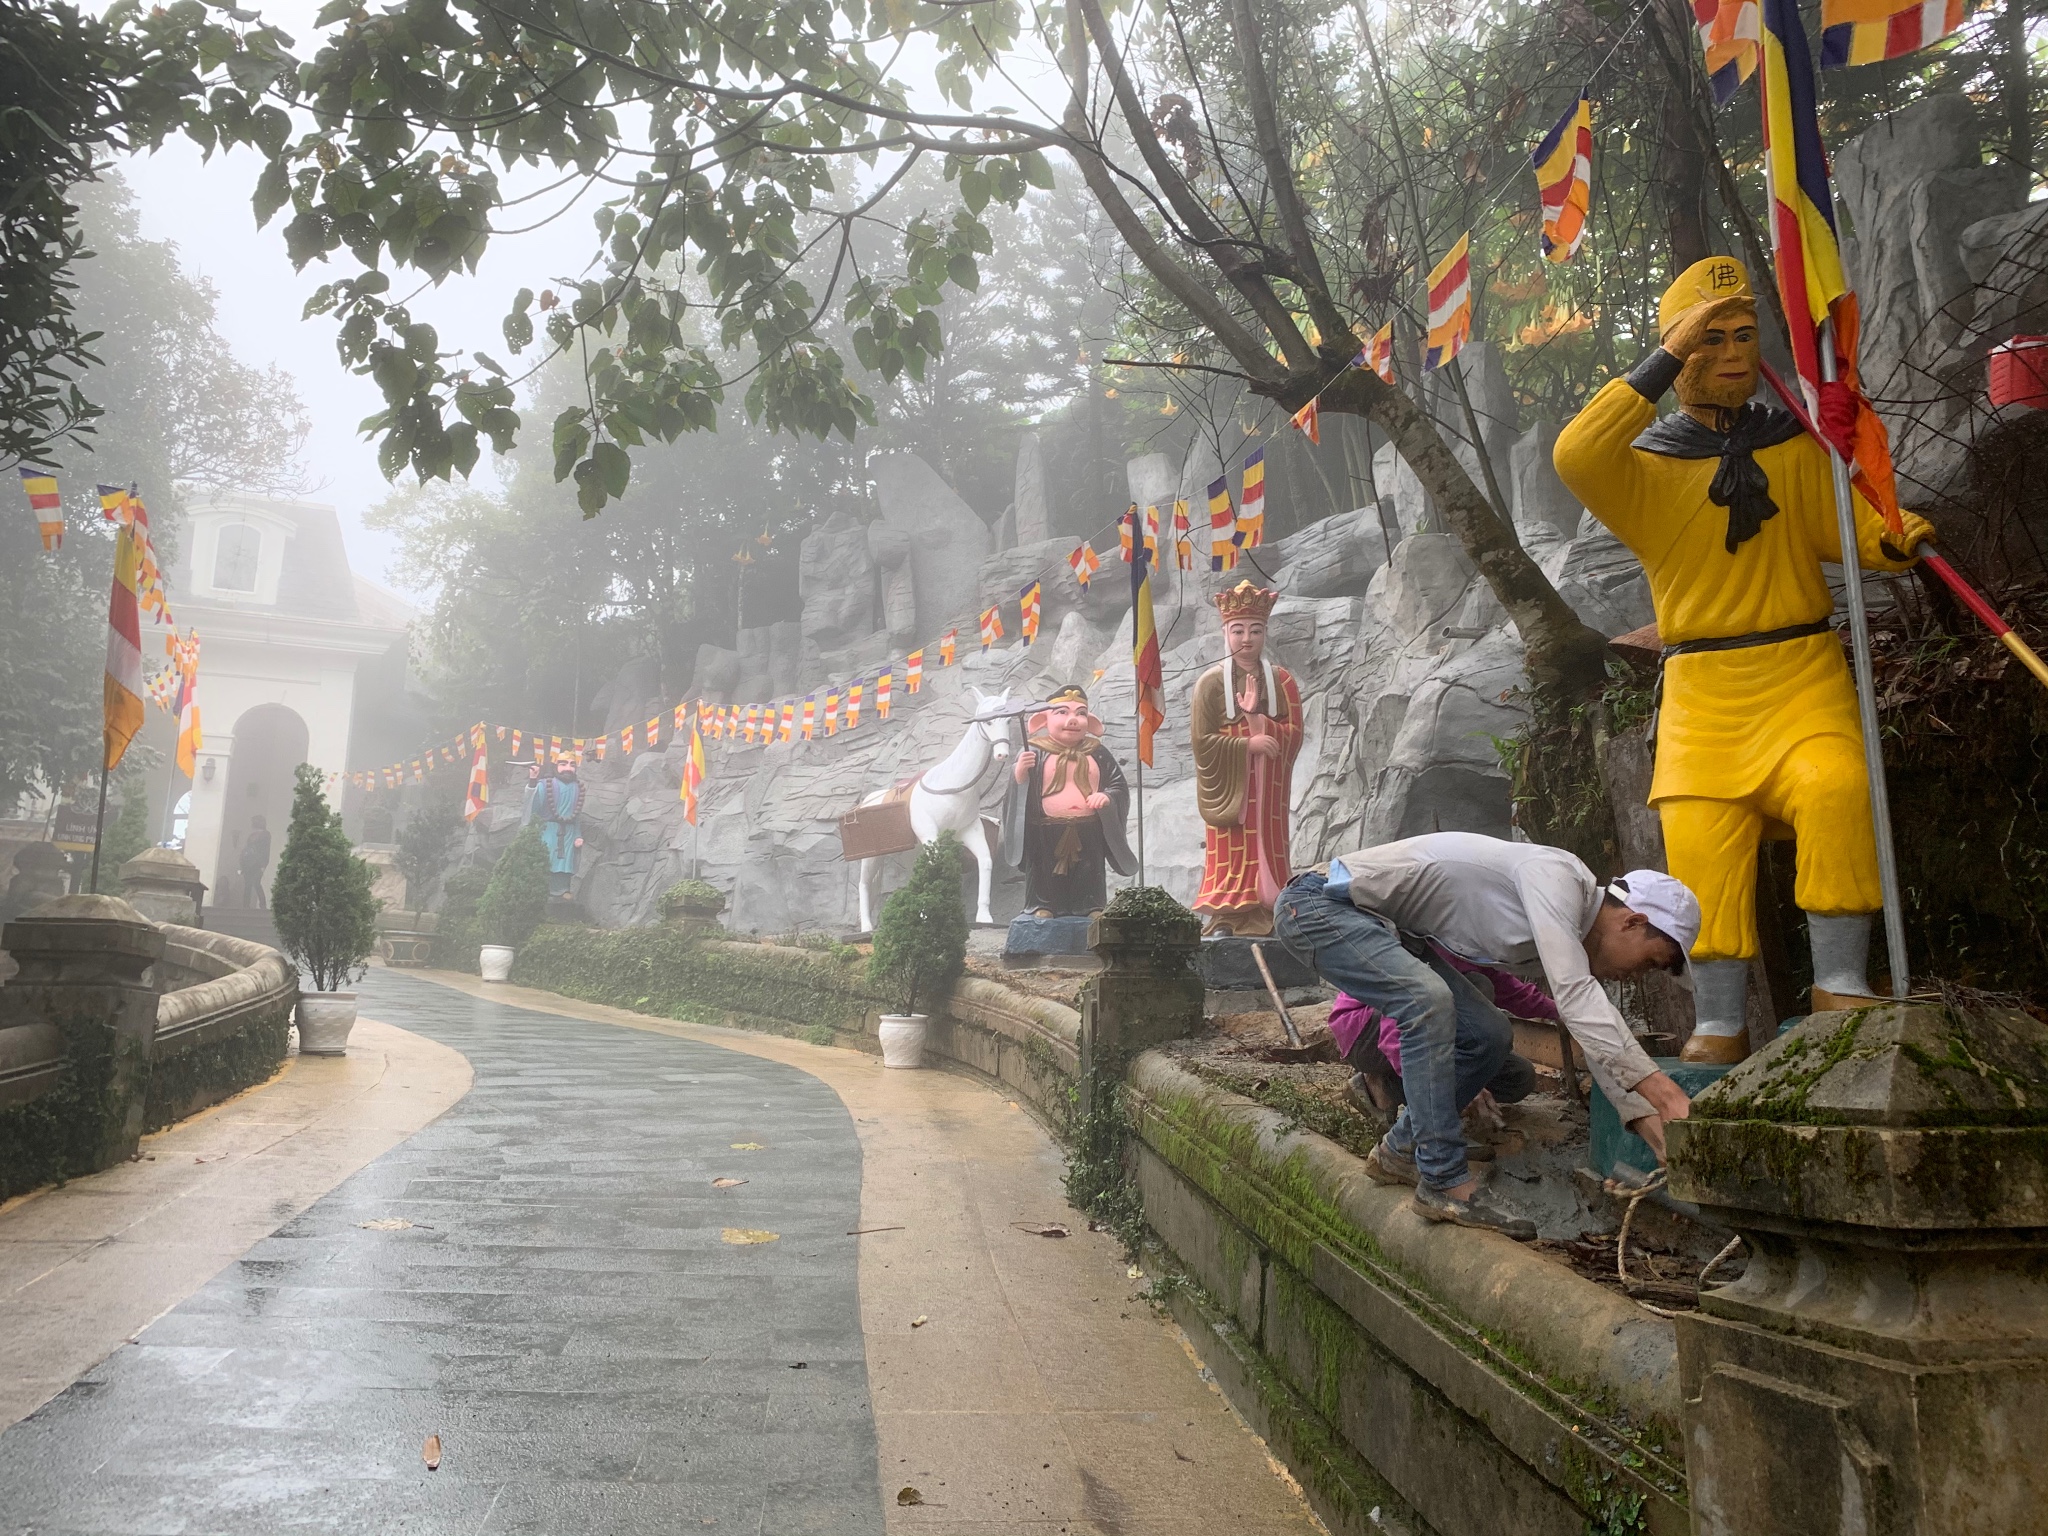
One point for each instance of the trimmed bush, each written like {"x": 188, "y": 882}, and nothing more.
{"x": 516, "y": 900}
{"x": 921, "y": 937}
{"x": 459, "y": 935}
{"x": 321, "y": 903}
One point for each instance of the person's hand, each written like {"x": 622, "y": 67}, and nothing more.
{"x": 1651, "y": 1129}
{"x": 1265, "y": 746}
{"x": 1670, "y": 1103}
{"x": 1690, "y": 330}
{"x": 1026, "y": 761}
{"x": 1097, "y": 801}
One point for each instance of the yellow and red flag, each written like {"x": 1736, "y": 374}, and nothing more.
{"x": 832, "y": 712}
{"x": 991, "y": 627}
{"x": 810, "y": 726}
{"x": 1731, "y": 33}
{"x": 788, "y": 721}
{"x": 626, "y": 741}
{"x": 1379, "y": 353}
{"x": 1125, "y": 532}
{"x": 1183, "y": 537}
{"x": 1564, "y": 180}
{"x": 680, "y": 718}
{"x": 478, "y": 795}
{"x": 1251, "y": 519}
{"x": 913, "y": 675}
{"x": 1086, "y": 563}
{"x": 121, "y": 691}
{"x": 853, "y": 694}
{"x": 1028, "y": 609}
{"x": 1870, "y": 31}
{"x": 184, "y": 654}
{"x": 1222, "y": 526}
{"x": 882, "y": 687}
{"x": 1152, "y": 535}
{"x": 1309, "y": 421}
{"x": 693, "y": 771}
{"x": 1820, "y": 307}
{"x": 47, "y": 502}
{"x": 1450, "y": 304}
{"x": 949, "y": 647}
{"x": 1145, "y": 658}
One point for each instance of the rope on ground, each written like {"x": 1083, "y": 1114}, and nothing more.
{"x": 1719, "y": 1259}
{"x": 1637, "y": 1193}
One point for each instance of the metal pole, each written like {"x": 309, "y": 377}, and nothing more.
{"x": 1866, "y": 697}
{"x": 99, "y": 827}
{"x": 1138, "y": 706}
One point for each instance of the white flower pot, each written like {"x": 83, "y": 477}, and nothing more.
{"x": 903, "y": 1039}
{"x": 494, "y": 962}
{"x": 325, "y": 1018}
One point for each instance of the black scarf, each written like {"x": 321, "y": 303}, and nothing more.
{"x": 1739, "y": 483}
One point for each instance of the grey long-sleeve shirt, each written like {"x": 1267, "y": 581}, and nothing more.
{"x": 1503, "y": 903}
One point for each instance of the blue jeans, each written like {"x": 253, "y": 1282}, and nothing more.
{"x": 1453, "y": 1038}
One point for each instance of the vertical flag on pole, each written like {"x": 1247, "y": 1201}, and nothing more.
{"x": 121, "y": 692}
{"x": 47, "y": 502}
{"x": 1730, "y": 32}
{"x": 1183, "y": 537}
{"x": 1379, "y": 352}
{"x": 1869, "y": 31}
{"x": 883, "y": 685}
{"x": 1222, "y": 526}
{"x": 693, "y": 771}
{"x": 949, "y": 647}
{"x": 1564, "y": 180}
{"x": 1309, "y": 422}
{"x": 913, "y": 675}
{"x": 853, "y": 704}
{"x": 1251, "y": 520}
{"x": 478, "y": 795}
{"x": 1145, "y": 658}
{"x": 1450, "y": 304}
{"x": 1086, "y": 563}
{"x": 1027, "y": 608}
{"x": 991, "y": 628}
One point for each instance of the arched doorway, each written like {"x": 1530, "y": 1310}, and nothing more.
{"x": 270, "y": 741}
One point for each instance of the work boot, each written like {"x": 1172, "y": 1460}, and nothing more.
{"x": 1820, "y": 1000}
{"x": 1716, "y": 1050}
{"x": 1479, "y": 1209}
{"x": 1374, "y": 1093}
{"x": 1383, "y": 1165}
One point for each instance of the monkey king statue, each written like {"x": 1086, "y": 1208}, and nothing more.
{"x": 1063, "y": 817}
{"x": 1247, "y": 732}
{"x": 1730, "y": 506}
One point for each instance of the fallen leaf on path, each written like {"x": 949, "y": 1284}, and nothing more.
{"x": 727, "y": 1183}
{"x": 919, "y": 1321}
{"x": 908, "y": 1496}
{"x": 857, "y": 1231}
{"x": 430, "y": 1453}
{"x": 386, "y": 1224}
{"x": 740, "y": 1237}
{"x": 1042, "y": 1228}
{"x": 748, "y": 1146}
{"x": 210, "y": 1158}
{"x": 1134, "y": 1273}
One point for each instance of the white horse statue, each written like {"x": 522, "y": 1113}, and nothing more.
{"x": 946, "y": 797}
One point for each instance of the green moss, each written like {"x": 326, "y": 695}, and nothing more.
{"x": 205, "y": 1074}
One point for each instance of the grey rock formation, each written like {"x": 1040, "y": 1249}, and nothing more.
{"x": 1032, "y": 510}
{"x": 1545, "y": 511}
{"x": 947, "y": 541}
{"x": 1152, "y": 480}
{"x": 836, "y": 579}
{"x": 1336, "y": 557}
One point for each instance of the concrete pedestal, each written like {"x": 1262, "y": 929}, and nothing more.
{"x": 1882, "y": 1365}
{"x": 164, "y": 886}
{"x": 1147, "y": 992}
{"x": 1226, "y": 965}
{"x": 1032, "y": 939}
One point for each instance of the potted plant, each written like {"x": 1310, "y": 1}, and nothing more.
{"x": 920, "y": 948}
{"x": 459, "y": 935}
{"x": 513, "y": 904}
{"x": 325, "y": 915}
{"x": 691, "y": 906}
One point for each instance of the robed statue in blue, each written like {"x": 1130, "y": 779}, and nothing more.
{"x": 555, "y": 799}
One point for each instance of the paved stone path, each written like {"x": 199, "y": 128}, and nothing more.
{"x": 567, "y": 1310}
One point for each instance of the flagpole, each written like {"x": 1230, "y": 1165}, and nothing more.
{"x": 1866, "y": 694}
{"x": 99, "y": 825}
{"x": 1138, "y": 716}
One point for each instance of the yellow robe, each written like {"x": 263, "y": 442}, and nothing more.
{"x": 1740, "y": 727}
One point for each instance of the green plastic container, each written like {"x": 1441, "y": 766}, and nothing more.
{"x": 1614, "y": 1143}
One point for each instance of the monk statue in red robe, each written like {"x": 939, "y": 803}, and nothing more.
{"x": 1247, "y": 733}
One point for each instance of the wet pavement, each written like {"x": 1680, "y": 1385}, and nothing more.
{"x": 546, "y": 1279}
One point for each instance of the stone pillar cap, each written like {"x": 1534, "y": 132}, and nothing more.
{"x": 168, "y": 864}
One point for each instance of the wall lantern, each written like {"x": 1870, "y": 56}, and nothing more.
{"x": 206, "y": 770}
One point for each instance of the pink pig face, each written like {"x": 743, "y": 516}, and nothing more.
{"x": 1246, "y": 640}
{"x": 1070, "y": 723}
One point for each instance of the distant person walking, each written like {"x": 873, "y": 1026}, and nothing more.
{"x": 255, "y": 863}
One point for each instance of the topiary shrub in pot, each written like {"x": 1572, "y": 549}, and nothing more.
{"x": 920, "y": 949}
{"x": 325, "y": 915}
{"x": 513, "y": 903}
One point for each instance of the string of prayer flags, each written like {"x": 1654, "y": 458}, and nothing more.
{"x": 1564, "y": 180}
{"x": 949, "y": 647}
{"x": 1183, "y": 537}
{"x": 1028, "y": 608}
{"x": 1379, "y": 353}
{"x": 913, "y": 671}
{"x": 693, "y": 773}
{"x": 47, "y": 503}
{"x": 1731, "y": 32}
{"x": 853, "y": 703}
{"x": 1309, "y": 422}
{"x": 1870, "y": 31}
{"x": 991, "y": 627}
{"x": 1086, "y": 563}
{"x": 1450, "y": 304}
{"x": 1222, "y": 526}
{"x": 478, "y": 794}
{"x": 1251, "y": 518}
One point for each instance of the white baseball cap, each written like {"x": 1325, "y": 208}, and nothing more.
{"x": 1670, "y": 906}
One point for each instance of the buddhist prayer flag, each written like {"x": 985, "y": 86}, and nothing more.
{"x": 1450, "y": 304}
{"x": 1564, "y": 180}
{"x": 1086, "y": 563}
{"x": 1251, "y": 521}
{"x": 1183, "y": 537}
{"x": 991, "y": 628}
{"x": 1869, "y": 31}
{"x": 693, "y": 773}
{"x": 112, "y": 499}
{"x": 1379, "y": 352}
{"x": 1145, "y": 658}
{"x": 914, "y": 671}
{"x": 653, "y": 729}
{"x": 949, "y": 647}
{"x": 184, "y": 654}
{"x": 478, "y": 795}
{"x": 832, "y": 713}
{"x": 555, "y": 746}
{"x": 1222, "y": 526}
{"x": 1028, "y": 607}
{"x": 121, "y": 691}
{"x": 853, "y": 704}
{"x": 1152, "y": 536}
{"x": 1126, "y": 531}
{"x": 626, "y": 741}
{"x": 1308, "y": 421}
{"x": 882, "y": 686}
{"x": 810, "y": 725}
{"x": 680, "y": 720}
{"x": 1730, "y": 32}
{"x": 47, "y": 502}
{"x": 1820, "y": 308}
{"x": 788, "y": 719}
{"x": 753, "y": 720}
{"x": 597, "y": 749}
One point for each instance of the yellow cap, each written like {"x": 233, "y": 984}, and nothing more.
{"x": 1718, "y": 277}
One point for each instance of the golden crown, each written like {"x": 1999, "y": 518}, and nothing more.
{"x": 1245, "y": 601}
